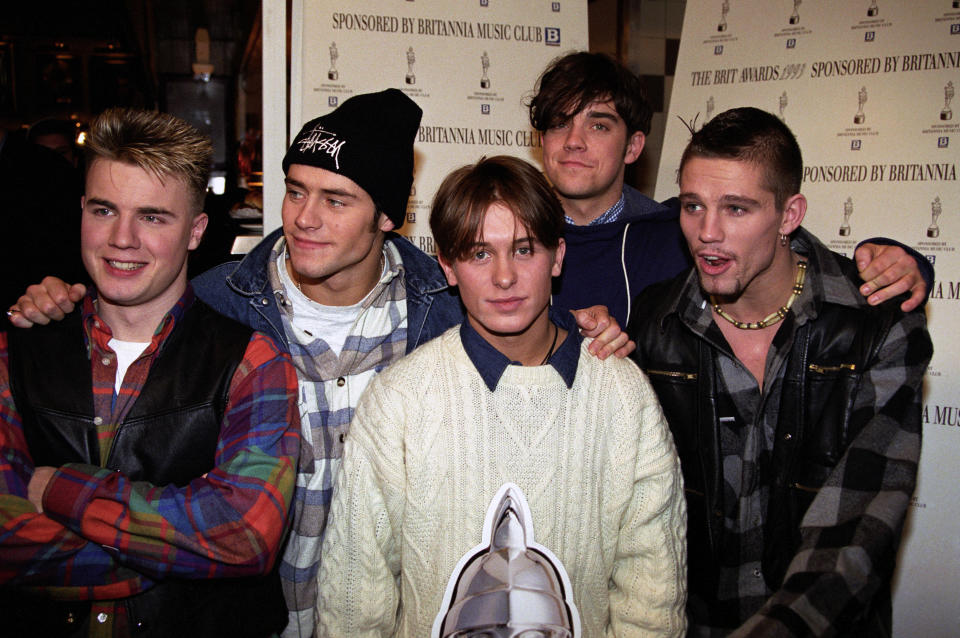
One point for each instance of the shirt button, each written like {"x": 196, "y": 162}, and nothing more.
{"x": 787, "y": 436}
{"x": 341, "y": 382}
{"x": 756, "y": 572}
{"x": 97, "y": 420}
{"x": 105, "y": 361}
{"x": 101, "y": 617}
{"x": 96, "y": 324}
{"x": 264, "y": 302}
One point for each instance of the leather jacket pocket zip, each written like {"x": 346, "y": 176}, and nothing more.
{"x": 813, "y": 367}
{"x": 686, "y": 376}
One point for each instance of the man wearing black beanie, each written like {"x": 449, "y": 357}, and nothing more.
{"x": 346, "y": 294}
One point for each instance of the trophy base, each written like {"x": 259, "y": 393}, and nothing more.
{"x": 721, "y": 27}
{"x": 794, "y": 19}
{"x": 844, "y": 231}
{"x": 484, "y": 84}
{"x": 859, "y": 119}
{"x": 411, "y": 78}
{"x": 333, "y": 75}
{"x": 933, "y": 232}
{"x": 946, "y": 114}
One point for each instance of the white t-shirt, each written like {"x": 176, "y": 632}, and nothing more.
{"x": 127, "y": 352}
{"x": 313, "y": 319}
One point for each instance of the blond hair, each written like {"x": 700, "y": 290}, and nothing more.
{"x": 159, "y": 143}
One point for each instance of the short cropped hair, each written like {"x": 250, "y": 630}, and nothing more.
{"x": 749, "y": 134}
{"x": 461, "y": 203}
{"x": 575, "y": 80}
{"x": 159, "y": 143}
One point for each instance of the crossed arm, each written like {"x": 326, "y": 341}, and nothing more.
{"x": 90, "y": 532}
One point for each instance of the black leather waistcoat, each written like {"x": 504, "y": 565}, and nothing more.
{"x": 168, "y": 437}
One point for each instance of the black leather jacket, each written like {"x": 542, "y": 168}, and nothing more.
{"x": 816, "y": 423}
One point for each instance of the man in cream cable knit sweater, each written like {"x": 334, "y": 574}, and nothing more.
{"x": 507, "y": 404}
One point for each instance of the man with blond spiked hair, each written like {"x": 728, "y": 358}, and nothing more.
{"x": 148, "y": 445}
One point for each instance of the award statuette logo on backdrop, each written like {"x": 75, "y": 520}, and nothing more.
{"x": 946, "y": 113}
{"x": 860, "y": 118}
{"x": 710, "y": 107}
{"x": 935, "y": 209}
{"x": 847, "y": 211}
{"x": 485, "y": 63}
{"x": 333, "y": 74}
{"x": 873, "y": 9}
{"x": 724, "y": 10}
{"x": 411, "y": 58}
{"x": 783, "y": 106}
{"x": 795, "y": 16}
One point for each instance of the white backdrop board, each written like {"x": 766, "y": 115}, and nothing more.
{"x": 868, "y": 88}
{"x": 468, "y": 65}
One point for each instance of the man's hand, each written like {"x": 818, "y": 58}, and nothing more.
{"x": 608, "y": 338}
{"x": 889, "y": 271}
{"x": 38, "y": 485}
{"x": 52, "y": 299}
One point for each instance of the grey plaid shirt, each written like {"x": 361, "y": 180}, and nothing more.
{"x": 330, "y": 387}
{"x": 866, "y": 495}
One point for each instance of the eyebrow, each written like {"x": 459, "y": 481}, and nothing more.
{"x": 725, "y": 199}
{"x": 142, "y": 210}
{"x": 339, "y": 192}
{"x": 603, "y": 115}
{"x": 526, "y": 239}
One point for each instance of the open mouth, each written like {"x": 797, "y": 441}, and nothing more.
{"x": 713, "y": 264}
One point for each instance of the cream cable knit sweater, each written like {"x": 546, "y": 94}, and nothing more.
{"x": 429, "y": 447}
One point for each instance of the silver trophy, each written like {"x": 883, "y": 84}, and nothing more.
{"x": 485, "y": 63}
{"x": 710, "y": 108}
{"x": 724, "y": 10}
{"x": 783, "y": 106}
{"x": 333, "y": 74}
{"x": 411, "y": 58}
{"x": 935, "y": 209}
{"x": 508, "y": 586}
{"x": 795, "y": 16}
{"x": 873, "y": 9}
{"x": 860, "y": 118}
{"x": 847, "y": 211}
{"x": 946, "y": 113}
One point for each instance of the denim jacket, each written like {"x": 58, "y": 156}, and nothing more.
{"x": 241, "y": 291}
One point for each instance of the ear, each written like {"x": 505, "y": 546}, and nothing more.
{"x": 197, "y": 228}
{"x": 448, "y": 270}
{"x": 793, "y": 212}
{"x": 384, "y": 223}
{"x": 560, "y": 251}
{"x": 634, "y": 147}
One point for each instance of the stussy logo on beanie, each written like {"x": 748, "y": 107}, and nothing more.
{"x": 319, "y": 139}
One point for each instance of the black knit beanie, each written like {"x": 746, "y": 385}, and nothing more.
{"x": 369, "y": 138}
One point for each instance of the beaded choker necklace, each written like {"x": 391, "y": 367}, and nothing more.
{"x": 773, "y": 317}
